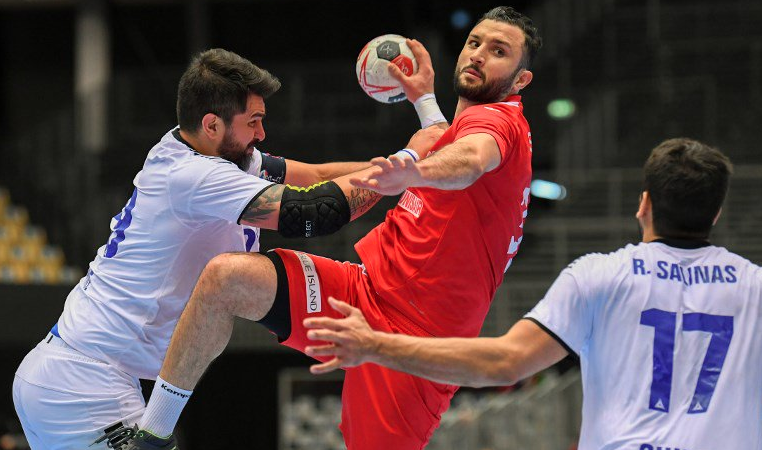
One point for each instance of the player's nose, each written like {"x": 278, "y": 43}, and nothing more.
{"x": 259, "y": 132}
{"x": 477, "y": 57}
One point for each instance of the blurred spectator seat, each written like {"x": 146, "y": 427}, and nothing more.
{"x": 15, "y": 216}
{"x": 25, "y": 255}
{"x": 5, "y": 200}
{"x": 14, "y": 272}
{"x": 9, "y": 234}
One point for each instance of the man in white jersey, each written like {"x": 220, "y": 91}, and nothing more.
{"x": 204, "y": 190}
{"x": 666, "y": 330}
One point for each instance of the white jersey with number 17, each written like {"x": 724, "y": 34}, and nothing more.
{"x": 183, "y": 212}
{"x": 669, "y": 343}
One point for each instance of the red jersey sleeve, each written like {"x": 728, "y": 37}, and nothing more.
{"x": 492, "y": 119}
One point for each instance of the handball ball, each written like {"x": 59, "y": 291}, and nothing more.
{"x": 373, "y": 74}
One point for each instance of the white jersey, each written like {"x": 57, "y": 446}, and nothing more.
{"x": 669, "y": 345}
{"x": 183, "y": 212}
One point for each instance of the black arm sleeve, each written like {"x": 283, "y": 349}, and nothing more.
{"x": 273, "y": 168}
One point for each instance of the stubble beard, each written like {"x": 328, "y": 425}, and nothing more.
{"x": 234, "y": 152}
{"x": 486, "y": 92}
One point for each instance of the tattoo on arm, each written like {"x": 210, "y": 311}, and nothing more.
{"x": 263, "y": 206}
{"x": 361, "y": 200}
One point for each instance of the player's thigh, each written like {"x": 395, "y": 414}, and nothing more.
{"x": 385, "y": 409}
{"x": 54, "y": 420}
{"x": 304, "y": 284}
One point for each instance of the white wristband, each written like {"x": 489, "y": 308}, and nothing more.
{"x": 428, "y": 110}
{"x": 407, "y": 153}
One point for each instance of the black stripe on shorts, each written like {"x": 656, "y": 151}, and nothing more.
{"x": 278, "y": 319}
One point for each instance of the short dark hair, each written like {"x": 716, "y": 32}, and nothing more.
{"x": 219, "y": 82}
{"x": 532, "y": 39}
{"x": 687, "y": 182}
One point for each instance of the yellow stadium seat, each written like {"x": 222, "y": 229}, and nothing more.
{"x": 49, "y": 264}
{"x": 44, "y": 274}
{"x": 10, "y": 233}
{"x": 16, "y": 273}
{"x": 27, "y": 254}
{"x": 34, "y": 236}
{"x": 15, "y": 215}
{"x": 5, "y": 200}
{"x": 51, "y": 255}
{"x": 5, "y": 252}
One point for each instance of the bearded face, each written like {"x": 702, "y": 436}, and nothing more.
{"x": 471, "y": 83}
{"x": 235, "y": 152}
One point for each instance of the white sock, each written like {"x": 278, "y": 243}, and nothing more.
{"x": 164, "y": 408}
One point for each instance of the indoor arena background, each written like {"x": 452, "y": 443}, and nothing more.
{"x": 87, "y": 87}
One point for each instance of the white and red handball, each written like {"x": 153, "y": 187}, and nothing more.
{"x": 372, "y": 67}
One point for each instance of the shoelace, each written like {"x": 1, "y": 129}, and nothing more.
{"x": 117, "y": 438}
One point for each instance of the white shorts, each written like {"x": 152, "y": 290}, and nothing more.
{"x": 65, "y": 400}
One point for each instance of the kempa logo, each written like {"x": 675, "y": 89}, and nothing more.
{"x": 312, "y": 284}
{"x": 172, "y": 391}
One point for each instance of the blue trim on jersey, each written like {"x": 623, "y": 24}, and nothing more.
{"x": 122, "y": 224}
{"x": 54, "y": 331}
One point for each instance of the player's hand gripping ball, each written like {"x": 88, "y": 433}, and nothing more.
{"x": 372, "y": 67}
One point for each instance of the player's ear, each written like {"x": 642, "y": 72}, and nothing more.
{"x": 211, "y": 126}
{"x": 717, "y": 217}
{"x": 522, "y": 80}
{"x": 644, "y": 205}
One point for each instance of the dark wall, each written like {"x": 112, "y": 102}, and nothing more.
{"x": 236, "y": 404}
{"x": 36, "y": 75}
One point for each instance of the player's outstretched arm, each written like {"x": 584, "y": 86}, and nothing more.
{"x": 324, "y": 207}
{"x": 419, "y": 87}
{"x": 305, "y": 174}
{"x": 317, "y": 210}
{"x": 523, "y": 351}
{"x": 453, "y": 167}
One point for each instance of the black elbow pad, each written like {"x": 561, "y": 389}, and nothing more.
{"x": 313, "y": 211}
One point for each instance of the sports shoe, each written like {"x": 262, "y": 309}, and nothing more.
{"x": 123, "y": 438}
{"x": 144, "y": 440}
{"x": 117, "y": 436}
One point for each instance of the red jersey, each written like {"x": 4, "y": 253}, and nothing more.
{"x": 439, "y": 256}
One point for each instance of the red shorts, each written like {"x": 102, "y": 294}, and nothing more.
{"x": 382, "y": 408}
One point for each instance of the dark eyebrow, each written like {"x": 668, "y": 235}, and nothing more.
{"x": 496, "y": 41}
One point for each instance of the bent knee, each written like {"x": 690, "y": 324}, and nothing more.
{"x": 242, "y": 283}
{"x": 231, "y": 268}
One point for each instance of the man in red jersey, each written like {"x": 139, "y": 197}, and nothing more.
{"x": 430, "y": 269}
